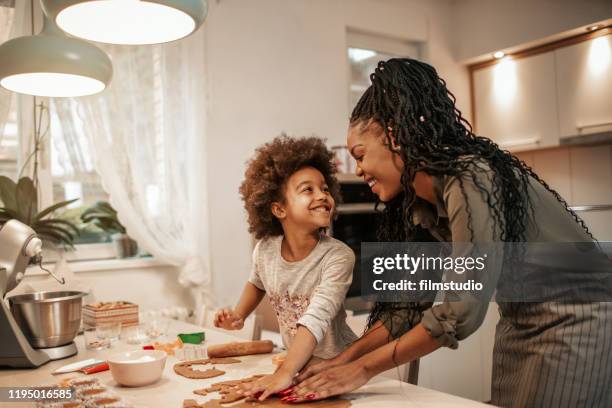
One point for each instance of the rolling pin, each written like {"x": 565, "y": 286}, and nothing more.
{"x": 240, "y": 349}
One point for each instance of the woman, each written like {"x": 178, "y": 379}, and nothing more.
{"x": 420, "y": 157}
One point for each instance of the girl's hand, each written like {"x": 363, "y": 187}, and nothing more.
{"x": 335, "y": 381}
{"x": 317, "y": 365}
{"x": 227, "y": 319}
{"x": 268, "y": 385}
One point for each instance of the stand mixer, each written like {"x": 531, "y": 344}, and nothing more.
{"x": 54, "y": 314}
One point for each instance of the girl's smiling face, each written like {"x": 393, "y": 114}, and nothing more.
{"x": 380, "y": 167}
{"x": 308, "y": 202}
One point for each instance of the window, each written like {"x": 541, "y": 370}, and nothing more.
{"x": 365, "y": 51}
{"x": 9, "y": 146}
{"x": 66, "y": 161}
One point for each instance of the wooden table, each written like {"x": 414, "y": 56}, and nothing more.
{"x": 172, "y": 389}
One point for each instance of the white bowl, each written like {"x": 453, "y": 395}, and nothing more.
{"x": 137, "y": 368}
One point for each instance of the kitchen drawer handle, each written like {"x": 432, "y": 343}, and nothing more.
{"x": 356, "y": 208}
{"x": 593, "y": 125}
{"x": 586, "y": 208}
{"x": 520, "y": 142}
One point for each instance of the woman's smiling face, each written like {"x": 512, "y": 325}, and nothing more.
{"x": 380, "y": 167}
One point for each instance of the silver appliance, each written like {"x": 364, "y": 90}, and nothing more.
{"x": 39, "y": 327}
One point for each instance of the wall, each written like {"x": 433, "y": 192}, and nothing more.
{"x": 150, "y": 285}
{"x": 485, "y": 26}
{"x": 280, "y": 66}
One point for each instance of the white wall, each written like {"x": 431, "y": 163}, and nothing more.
{"x": 280, "y": 66}
{"x": 152, "y": 288}
{"x": 485, "y": 26}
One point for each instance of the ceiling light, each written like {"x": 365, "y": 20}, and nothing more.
{"x": 53, "y": 65}
{"x": 594, "y": 27}
{"x": 498, "y": 54}
{"x": 128, "y": 22}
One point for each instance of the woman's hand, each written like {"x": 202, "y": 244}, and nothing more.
{"x": 335, "y": 381}
{"x": 228, "y": 319}
{"x": 317, "y": 365}
{"x": 268, "y": 385}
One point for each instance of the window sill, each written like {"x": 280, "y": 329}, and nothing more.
{"x": 108, "y": 265}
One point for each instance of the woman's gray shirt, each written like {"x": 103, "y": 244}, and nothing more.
{"x": 449, "y": 220}
{"x": 536, "y": 343}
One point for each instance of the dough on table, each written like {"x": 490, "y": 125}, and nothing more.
{"x": 184, "y": 368}
{"x": 279, "y": 359}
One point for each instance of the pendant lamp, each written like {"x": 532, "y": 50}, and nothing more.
{"x": 128, "y": 22}
{"x": 53, "y": 65}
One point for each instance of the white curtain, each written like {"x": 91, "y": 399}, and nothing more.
{"x": 145, "y": 133}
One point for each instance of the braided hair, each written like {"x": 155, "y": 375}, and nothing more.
{"x": 415, "y": 110}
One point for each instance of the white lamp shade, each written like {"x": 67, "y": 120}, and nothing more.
{"x": 128, "y": 22}
{"x": 53, "y": 65}
{"x": 52, "y": 84}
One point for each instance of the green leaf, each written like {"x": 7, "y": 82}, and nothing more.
{"x": 89, "y": 216}
{"x": 12, "y": 214}
{"x": 89, "y": 212}
{"x": 57, "y": 222}
{"x": 54, "y": 238}
{"x": 106, "y": 207}
{"x": 58, "y": 227}
{"x": 52, "y": 208}
{"x": 63, "y": 235}
{"x": 109, "y": 225}
{"x": 97, "y": 216}
{"x": 27, "y": 199}
{"x": 9, "y": 213}
{"x": 104, "y": 216}
{"x": 8, "y": 189}
{"x": 101, "y": 208}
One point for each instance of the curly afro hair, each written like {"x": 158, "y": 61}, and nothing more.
{"x": 268, "y": 172}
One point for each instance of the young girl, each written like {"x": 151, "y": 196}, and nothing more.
{"x": 289, "y": 193}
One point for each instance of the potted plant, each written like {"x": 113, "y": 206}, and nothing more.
{"x": 104, "y": 216}
{"x": 20, "y": 202}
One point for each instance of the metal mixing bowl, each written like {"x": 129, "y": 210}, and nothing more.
{"x": 48, "y": 319}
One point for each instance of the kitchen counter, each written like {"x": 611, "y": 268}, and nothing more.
{"x": 172, "y": 389}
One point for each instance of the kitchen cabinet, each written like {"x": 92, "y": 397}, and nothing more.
{"x": 547, "y": 99}
{"x": 584, "y": 87}
{"x": 515, "y": 102}
{"x": 553, "y": 166}
{"x": 527, "y": 157}
{"x": 591, "y": 175}
{"x": 444, "y": 369}
{"x": 599, "y": 223}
